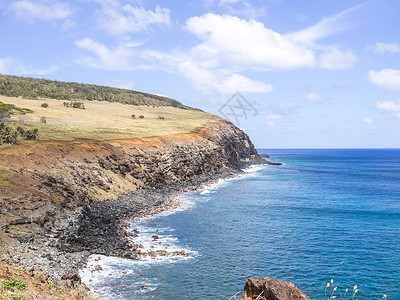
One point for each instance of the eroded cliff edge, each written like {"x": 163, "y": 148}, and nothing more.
{"x": 62, "y": 199}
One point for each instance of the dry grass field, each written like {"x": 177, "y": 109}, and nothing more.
{"x": 102, "y": 120}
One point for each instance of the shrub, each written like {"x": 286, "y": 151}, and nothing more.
{"x": 8, "y": 135}
{"x": 133, "y": 116}
{"x": 141, "y": 117}
{"x": 74, "y": 104}
{"x": 21, "y": 130}
{"x": 31, "y": 134}
{"x": 161, "y": 117}
{"x": 45, "y": 105}
{"x": 15, "y": 283}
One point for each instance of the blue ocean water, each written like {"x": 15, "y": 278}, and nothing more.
{"x": 324, "y": 214}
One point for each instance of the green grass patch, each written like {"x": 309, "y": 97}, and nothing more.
{"x": 4, "y": 107}
{"x": 3, "y": 178}
{"x": 15, "y": 284}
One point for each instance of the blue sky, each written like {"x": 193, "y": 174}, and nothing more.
{"x": 318, "y": 73}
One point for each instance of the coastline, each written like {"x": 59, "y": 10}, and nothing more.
{"x": 65, "y": 199}
{"x": 128, "y": 226}
{"x": 97, "y": 268}
{"x": 96, "y": 229}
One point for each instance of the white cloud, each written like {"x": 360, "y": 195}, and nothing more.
{"x": 246, "y": 44}
{"x": 13, "y": 67}
{"x": 121, "y": 84}
{"x": 118, "y": 19}
{"x": 390, "y": 106}
{"x": 227, "y": 46}
{"x": 367, "y": 120}
{"x": 223, "y": 2}
{"x": 314, "y": 97}
{"x": 326, "y": 27}
{"x": 271, "y": 118}
{"x": 381, "y": 48}
{"x": 210, "y": 82}
{"x": 237, "y": 82}
{"x": 30, "y": 11}
{"x": 337, "y": 60}
{"x": 386, "y": 78}
{"x": 247, "y": 10}
{"x": 120, "y": 58}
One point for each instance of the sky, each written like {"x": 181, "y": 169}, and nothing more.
{"x": 291, "y": 74}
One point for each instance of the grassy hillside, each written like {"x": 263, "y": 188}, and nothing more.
{"x": 33, "y": 88}
{"x": 69, "y": 110}
{"x": 101, "y": 120}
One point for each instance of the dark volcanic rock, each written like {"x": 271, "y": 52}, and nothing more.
{"x": 271, "y": 289}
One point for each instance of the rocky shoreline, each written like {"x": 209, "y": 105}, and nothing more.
{"x": 95, "y": 229}
{"x": 64, "y": 199}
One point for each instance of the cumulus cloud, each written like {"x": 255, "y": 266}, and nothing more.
{"x": 31, "y": 11}
{"x": 246, "y": 44}
{"x": 382, "y": 48}
{"x": 227, "y": 46}
{"x": 120, "y": 58}
{"x": 210, "y": 82}
{"x": 386, "y": 78}
{"x": 239, "y": 43}
{"x": 389, "y": 106}
{"x": 118, "y": 19}
{"x": 203, "y": 79}
{"x": 337, "y": 60}
{"x": 237, "y": 82}
{"x": 14, "y": 67}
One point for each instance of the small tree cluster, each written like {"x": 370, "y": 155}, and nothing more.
{"x": 9, "y": 135}
{"x": 75, "y": 104}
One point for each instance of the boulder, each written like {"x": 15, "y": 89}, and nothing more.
{"x": 271, "y": 289}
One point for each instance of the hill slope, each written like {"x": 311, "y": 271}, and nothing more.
{"x": 34, "y": 88}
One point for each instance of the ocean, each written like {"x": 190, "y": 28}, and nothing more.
{"x": 324, "y": 214}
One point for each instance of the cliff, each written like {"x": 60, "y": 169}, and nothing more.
{"x": 61, "y": 200}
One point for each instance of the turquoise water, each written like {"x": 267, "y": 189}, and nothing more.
{"x": 323, "y": 214}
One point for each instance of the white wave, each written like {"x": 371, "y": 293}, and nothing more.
{"x": 253, "y": 168}
{"x": 101, "y": 269}
{"x": 206, "y": 192}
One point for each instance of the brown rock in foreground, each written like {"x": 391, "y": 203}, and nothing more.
{"x": 271, "y": 289}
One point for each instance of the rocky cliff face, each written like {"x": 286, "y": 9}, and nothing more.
{"x": 55, "y": 190}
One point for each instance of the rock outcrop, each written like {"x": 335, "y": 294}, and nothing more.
{"x": 271, "y": 289}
